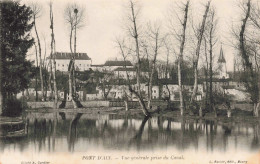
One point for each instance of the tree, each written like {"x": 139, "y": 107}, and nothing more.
{"x": 252, "y": 80}
{"x": 167, "y": 47}
{"x": 181, "y": 39}
{"x": 15, "y": 41}
{"x": 154, "y": 35}
{"x": 133, "y": 31}
{"x": 55, "y": 105}
{"x": 197, "y": 55}
{"x": 74, "y": 16}
{"x": 36, "y": 77}
{"x": 212, "y": 41}
{"x": 107, "y": 79}
{"x": 36, "y": 11}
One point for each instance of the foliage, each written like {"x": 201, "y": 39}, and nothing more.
{"x": 14, "y": 107}
{"x": 15, "y": 40}
{"x": 62, "y": 81}
{"x": 187, "y": 75}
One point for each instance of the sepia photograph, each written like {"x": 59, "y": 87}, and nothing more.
{"x": 129, "y": 81}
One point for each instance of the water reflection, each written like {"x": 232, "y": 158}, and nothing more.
{"x": 72, "y": 137}
{"x": 73, "y": 132}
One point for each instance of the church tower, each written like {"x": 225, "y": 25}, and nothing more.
{"x": 222, "y": 66}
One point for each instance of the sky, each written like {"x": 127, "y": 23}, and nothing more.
{"x": 105, "y": 20}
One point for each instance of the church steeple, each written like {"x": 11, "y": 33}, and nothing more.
{"x": 221, "y": 58}
{"x": 222, "y": 65}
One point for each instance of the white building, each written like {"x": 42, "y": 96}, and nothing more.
{"x": 99, "y": 68}
{"x": 122, "y": 73}
{"x": 174, "y": 91}
{"x": 155, "y": 91}
{"x": 82, "y": 61}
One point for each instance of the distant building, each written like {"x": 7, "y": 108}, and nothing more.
{"x": 112, "y": 65}
{"x": 175, "y": 95}
{"x": 222, "y": 69}
{"x": 96, "y": 67}
{"x": 82, "y": 61}
{"x": 155, "y": 91}
{"x": 122, "y": 73}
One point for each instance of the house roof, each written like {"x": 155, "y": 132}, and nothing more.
{"x": 221, "y": 58}
{"x": 65, "y": 55}
{"x": 125, "y": 69}
{"x": 97, "y": 65}
{"x": 118, "y": 63}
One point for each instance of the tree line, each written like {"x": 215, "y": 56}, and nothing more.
{"x": 181, "y": 37}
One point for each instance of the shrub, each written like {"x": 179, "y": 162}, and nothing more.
{"x": 14, "y": 107}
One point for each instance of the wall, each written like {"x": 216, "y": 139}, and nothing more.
{"x": 86, "y": 104}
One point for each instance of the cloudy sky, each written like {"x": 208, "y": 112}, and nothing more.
{"x": 105, "y": 20}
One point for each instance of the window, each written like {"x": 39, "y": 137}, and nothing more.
{"x": 62, "y": 65}
{"x": 154, "y": 91}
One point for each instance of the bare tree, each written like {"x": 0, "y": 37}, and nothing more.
{"x": 1, "y": 69}
{"x": 212, "y": 41}
{"x": 252, "y": 82}
{"x": 196, "y": 59}
{"x": 154, "y": 35}
{"x": 36, "y": 11}
{"x": 36, "y": 77}
{"x": 74, "y": 16}
{"x": 182, "y": 39}
{"x": 125, "y": 51}
{"x": 134, "y": 34}
{"x": 106, "y": 83}
{"x": 167, "y": 47}
{"x": 55, "y": 105}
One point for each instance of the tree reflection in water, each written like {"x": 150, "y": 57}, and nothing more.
{"x": 47, "y": 131}
{"x": 72, "y": 137}
{"x": 255, "y": 141}
{"x": 137, "y": 138}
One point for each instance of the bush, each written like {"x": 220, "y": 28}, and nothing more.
{"x": 14, "y": 107}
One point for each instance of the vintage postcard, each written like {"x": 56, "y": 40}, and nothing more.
{"x": 129, "y": 81}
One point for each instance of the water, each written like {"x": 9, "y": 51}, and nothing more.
{"x": 75, "y": 132}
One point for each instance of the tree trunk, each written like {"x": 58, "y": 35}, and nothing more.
{"x": 40, "y": 53}
{"x": 49, "y": 81}
{"x": 1, "y": 64}
{"x": 137, "y": 49}
{"x": 55, "y": 105}
{"x": 75, "y": 52}
{"x": 1, "y": 101}
{"x": 201, "y": 31}
{"x": 166, "y": 73}
{"x": 71, "y": 67}
{"x": 180, "y": 58}
{"x": 126, "y": 105}
{"x": 36, "y": 78}
{"x": 135, "y": 35}
{"x": 150, "y": 88}
{"x": 256, "y": 109}
{"x": 71, "y": 93}
{"x": 253, "y": 85}
{"x": 153, "y": 68}
{"x": 211, "y": 69}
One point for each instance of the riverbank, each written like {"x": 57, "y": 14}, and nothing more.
{"x": 241, "y": 112}
{"x": 237, "y": 115}
{"x": 10, "y": 120}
